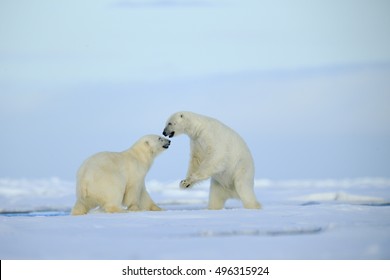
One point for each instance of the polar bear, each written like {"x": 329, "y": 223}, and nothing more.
{"x": 114, "y": 180}
{"x": 217, "y": 152}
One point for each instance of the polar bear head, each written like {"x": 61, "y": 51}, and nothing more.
{"x": 176, "y": 124}
{"x": 155, "y": 143}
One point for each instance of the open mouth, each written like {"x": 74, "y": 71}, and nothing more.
{"x": 170, "y": 135}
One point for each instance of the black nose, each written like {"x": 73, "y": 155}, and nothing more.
{"x": 166, "y": 146}
{"x": 165, "y": 133}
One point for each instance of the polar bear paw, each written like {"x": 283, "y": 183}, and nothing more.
{"x": 185, "y": 184}
{"x": 154, "y": 207}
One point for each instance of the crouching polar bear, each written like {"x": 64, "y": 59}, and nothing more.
{"x": 217, "y": 152}
{"x": 113, "y": 181}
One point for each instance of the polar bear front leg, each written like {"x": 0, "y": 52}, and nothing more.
{"x": 206, "y": 169}
{"x": 185, "y": 184}
{"x": 202, "y": 166}
{"x": 147, "y": 203}
{"x": 80, "y": 208}
{"x": 131, "y": 199}
{"x": 192, "y": 168}
{"x": 196, "y": 177}
{"x": 112, "y": 203}
{"x": 113, "y": 208}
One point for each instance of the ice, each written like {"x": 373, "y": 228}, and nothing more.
{"x": 343, "y": 197}
{"x": 300, "y": 219}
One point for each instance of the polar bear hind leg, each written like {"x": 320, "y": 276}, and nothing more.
{"x": 246, "y": 194}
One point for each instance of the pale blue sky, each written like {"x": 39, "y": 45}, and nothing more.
{"x": 307, "y": 83}
{"x": 120, "y": 41}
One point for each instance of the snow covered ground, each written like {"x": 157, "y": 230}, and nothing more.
{"x": 302, "y": 219}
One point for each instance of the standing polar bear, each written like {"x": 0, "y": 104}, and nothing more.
{"x": 113, "y": 181}
{"x": 217, "y": 152}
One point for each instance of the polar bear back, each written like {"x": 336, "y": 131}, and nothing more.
{"x": 107, "y": 168}
{"x": 226, "y": 142}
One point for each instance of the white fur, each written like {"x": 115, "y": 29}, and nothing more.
{"x": 115, "y": 181}
{"x": 219, "y": 153}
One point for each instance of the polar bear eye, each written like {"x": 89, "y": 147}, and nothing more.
{"x": 170, "y": 123}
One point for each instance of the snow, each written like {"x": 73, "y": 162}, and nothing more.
{"x": 300, "y": 219}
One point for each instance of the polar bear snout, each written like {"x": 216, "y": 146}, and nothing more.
{"x": 166, "y": 143}
{"x": 167, "y": 132}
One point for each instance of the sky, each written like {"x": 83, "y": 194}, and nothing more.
{"x": 306, "y": 83}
